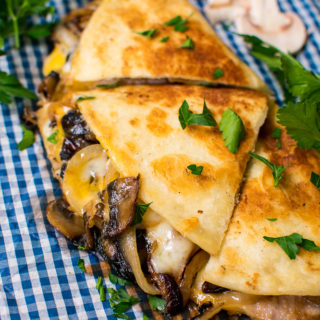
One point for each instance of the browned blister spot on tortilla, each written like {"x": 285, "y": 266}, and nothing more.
{"x": 156, "y": 123}
{"x": 190, "y": 224}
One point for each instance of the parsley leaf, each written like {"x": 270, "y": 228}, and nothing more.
{"x": 145, "y": 317}
{"x": 188, "y": 44}
{"x": 85, "y": 98}
{"x": 148, "y": 33}
{"x": 53, "y": 137}
{"x": 290, "y": 244}
{"x": 277, "y": 135}
{"x": 195, "y": 170}
{"x": 157, "y": 303}
{"x": 10, "y": 87}
{"x": 186, "y": 117}
{"x": 232, "y": 129}
{"x": 165, "y": 39}
{"x": 277, "y": 171}
{"x": 272, "y": 219}
{"x": 315, "y": 179}
{"x": 117, "y": 280}
{"x": 122, "y": 316}
{"x": 41, "y": 30}
{"x": 302, "y": 123}
{"x": 102, "y": 292}
{"x": 81, "y": 265}
{"x": 178, "y": 23}
{"x": 27, "y": 140}
{"x": 141, "y": 209}
{"x": 109, "y": 86}
{"x": 218, "y": 74}
{"x": 82, "y": 248}
{"x": 99, "y": 283}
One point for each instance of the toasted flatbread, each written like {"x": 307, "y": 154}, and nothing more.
{"x": 140, "y": 129}
{"x": 110, "y": 47}
{"x": 247, "y": 262}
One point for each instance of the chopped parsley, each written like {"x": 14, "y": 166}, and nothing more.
{"x": 99, "y": 283}
{"x": 195, "y": 170}
{"x": 81, "y": 248}
{"x": 188, "y": 44}
{"x": 81, "y": 265}
{"x": 272, "y": 219}
{"x": 108, "y": 86}
{"x": 187, "y": 118}
{"x": 11, "y": 87}
{"x": 165, "y": 39}
{"x": 141, "y": 209}
{"x": 232, "y": 129}
{"x": 277, "y": 171}
{"x": 145, "y": 317}
{"x": 148, "y": 33}
{"x": 117, "y": 280}
{"x": 277, "y": 135}
{"x": 218, "y": 74}
{"x": 315, "y": 179}
{"x": 53, "y": 137}
{"x": 179, "y": 24}
{"x": 157, "y": 303}
{"x": 27, "y": 140}
{"x": 102, "y": 292}
{"x": 85, "y": 98}
{"x": 290, "y": 244}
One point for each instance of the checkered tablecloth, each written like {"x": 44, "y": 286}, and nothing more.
{"x": 39, "y": 277}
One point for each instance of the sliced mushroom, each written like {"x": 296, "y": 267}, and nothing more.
{"x": 73, "y": 124}
{"x": 208, "y": 287}
{"x": 193, "y": 266}
{"x": 122, "y": 198}
{"x": 65, "y": 221}
{"x": 49, "y": 84}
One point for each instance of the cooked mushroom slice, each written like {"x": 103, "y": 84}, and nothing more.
{"x": 72, "y": 145}
{"x": 88, "y": 173}
{"x": 65, "y": 221}
{"x": 122, "y": 198}
{"x": 208, "y": 287}
{"x": 73, "y": 124}
{"x": 49, "y": 84}
{"x": 193, "y": 266}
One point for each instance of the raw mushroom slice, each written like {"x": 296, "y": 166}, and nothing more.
{"x": 88, "y": 172}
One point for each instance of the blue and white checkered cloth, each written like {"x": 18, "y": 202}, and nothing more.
{"x": 39, "y": 277}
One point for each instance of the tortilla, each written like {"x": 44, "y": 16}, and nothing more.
{"x": 110, "y": 47}
{"x": 247, "y": 262}
{"x": 140, "y": 129}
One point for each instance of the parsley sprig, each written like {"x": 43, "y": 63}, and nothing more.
{"x": 290, "y": 244}
{"x": 277, "y": 171}
{"x": 27, "y": 140}
{"x": 196, "y": 170}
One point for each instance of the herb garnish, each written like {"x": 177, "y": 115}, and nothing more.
{"x": 108, "y": 86}
{"x": 186, "y": 117}
{"x": 277, "y": 135}
{"x": 81, "y": 265}
{"x": 277, "y": 171}
{"x": 232, "y": 129}
{"x": 141, "y": 209}
{"x": 53, "y": 137}
{"x": 10, "y": 87}
{"x": 188, "y": 44}
{"x": 157, "y": 303}
{"x": 195, "y": 170}
{"x": 27, "y": 140}
{"x": 178, "y": 23}
{"x": 315, "y": 179}
{"x": 15, "y": 17}
{"x": 218, "y": 74}
{"x": 290, "y": 244}
{"x": 99, "y": 283}
{"x": 102, "y": 292}
{"x": 82, "y": 248}
{"x": 272, "y": 219}
{"x": 145, "y": 317}
{"x": 85, "y": 98}
{"x": 148, "y": 33}
{"x": 117, "y": 280}
{"x": 165, "y": 39}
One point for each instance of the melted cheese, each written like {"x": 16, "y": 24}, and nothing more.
{"x": 54, "y": 62}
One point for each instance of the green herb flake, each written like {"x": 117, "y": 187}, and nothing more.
{"x": 102, "y": 292}
{"x": 277, "y": 171}
{"x": 53, "y": 137}
{"x": 290, "y": 244}
{"x": 121, "y": 316}
{"x": 148, "y": 33}
{"x": 188, "y": 44}
{"x": 109, "y": 86}
{"x": 99, "y": 283}
{"x": 85, "y": 98}
{"x": 81, "y": 265}
{"x": 145, "y": 317}
{"x": 315, "y": 179}
{"x": 117, "y": 280}
{"x": 232, "y": 129}
{"x": 157, "y": 303}
{"x": 218, "y": 74}
{"x": 27, "y": 140}
{"x": 277, "y": 135}
{"x": 174, "y": 21}
{"x": 179, "y": 24}
{"x": 195, "y": 170}
{"x": 272, "y": 219}
{"x": 165, "y": 39}
{"x": 82, "y": 248}
{"x": 187, "y": 118}
{"x": 141, "y": 209}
